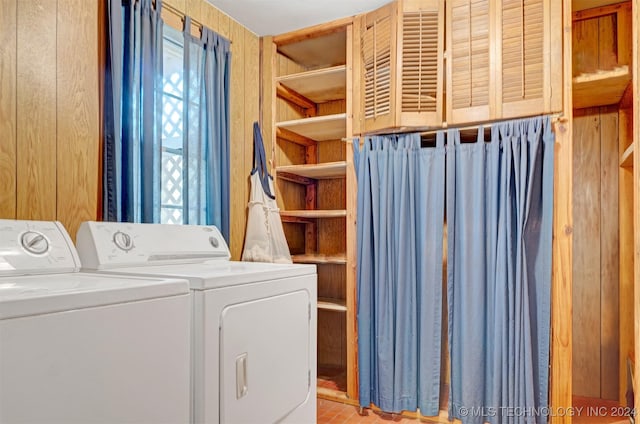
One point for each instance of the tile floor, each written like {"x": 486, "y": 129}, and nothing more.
{"x": 337, "y": 413}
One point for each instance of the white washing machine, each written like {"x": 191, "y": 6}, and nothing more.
{"x": 254, "y": 324}
{"x": 86, "y": 347}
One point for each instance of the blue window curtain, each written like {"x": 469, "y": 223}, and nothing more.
{"x": 207, "y": 63}
{"x": 131, "y": 168}
{"x": 499, "y": 225}
{"x": 133, "y": 119}
{"x": 399, "y": 273}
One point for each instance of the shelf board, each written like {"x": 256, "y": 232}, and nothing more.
{"x": 319, "y": 259}
{"x": 316, "y": 52}
{"x": 302, "y": 216}
{"x": 318, "y": 171}
{"x": 319, "y": 86}
{"x": 600, "y": 88}
{"x": 319, "y": 128}
{"x": 330, "y": 304}
{"x": 626, "y": 160}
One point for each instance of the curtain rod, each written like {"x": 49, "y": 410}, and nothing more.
{"x": 194, "y": 22}
{"x": 555, "y": 117}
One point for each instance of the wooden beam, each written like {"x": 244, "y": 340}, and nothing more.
{"x": 352, "y": 207}
{"x": 636, "y": 190}
{"x": 294, "y": 178}
{"x": 296, "y": 98}
{"x": 601, "y": 11}
{"x": 561, "y": 290}
{"x": 285, "y": 134}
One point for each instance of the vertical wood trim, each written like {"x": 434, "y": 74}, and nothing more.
{"x": 609, "y": 254}
{"x": 8, "y": 146}
{"x": 354, "y": 100}
{"x": 626, "y": 214}
{"x": 495, "y": 59}
{"x": 636, "y": 191}
{"x": 561, "y": 291}
{"x": 238, "y": 142}
{"x": 77, "y": 117}
{"x": 36, "y": 110}
{"x": 555, "y": 19}
{"x": 351, "y": 205}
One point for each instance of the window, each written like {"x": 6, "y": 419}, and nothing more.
{"x": 171, "y": 198}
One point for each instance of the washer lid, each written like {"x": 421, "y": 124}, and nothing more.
{"x": 215, "y": 274}
{"x": 43, "y": 294}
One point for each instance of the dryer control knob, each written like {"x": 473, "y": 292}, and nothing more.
{"x": 214, "y": 242}
{"x": 34, "y": 242}
{"x": 122, "y": 241}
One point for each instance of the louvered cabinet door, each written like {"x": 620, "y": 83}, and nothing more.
{"x": 421, "y": 43}
{"x": 377, "y": 68}
{"x": 528, "y": 74}
{"x": 470, "y": 47}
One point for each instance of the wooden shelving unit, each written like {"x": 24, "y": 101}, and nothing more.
{"x": 331, "y": 304}
{"x": 313, "y": 214}
{"x": 600, "y": 88}
{"x": 320, "y": 85}
{"x": 626, "y": 159}
{"x": 318, "y": 128}
{"x": 311, "y": 89}
{"x": 317, "y": 171}
{"x": 320, "y": 259}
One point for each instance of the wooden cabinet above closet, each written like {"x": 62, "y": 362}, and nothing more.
{"x": 503, "y": 60}
{"x": 399, "y": 66}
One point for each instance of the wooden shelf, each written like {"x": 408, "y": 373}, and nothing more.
{"x": 319, "y": 259}
{"x": 626, "y": 160}
{"x": 302, "y": 215}
{"x": 320, "y": 171}
{"x": 319, "y": 86}
{"x": 315, "y": 52}
{"x": 330, "y": 304}
{"x": 600, "y": 88}
{"x": 319, "y": 128}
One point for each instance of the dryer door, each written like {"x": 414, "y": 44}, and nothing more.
{"x": 264, "y": 358}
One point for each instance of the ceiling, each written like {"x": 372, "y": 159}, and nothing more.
{"x": 272, "y": 17}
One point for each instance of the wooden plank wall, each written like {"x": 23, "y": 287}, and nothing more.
{"x": 596, "y": 253}
{"x": 49, "y": 110}
{"x": 245, "y": 105}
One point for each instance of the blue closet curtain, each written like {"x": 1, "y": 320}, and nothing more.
{"x": 207, "y": 63}
{"x": 499, "y": 222}
{"x": 133, "y": 105}
{"x": 399, "y": 277}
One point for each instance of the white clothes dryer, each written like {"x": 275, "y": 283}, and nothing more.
{"x": 254, "y": 324}
{"x": 81, "y": 347}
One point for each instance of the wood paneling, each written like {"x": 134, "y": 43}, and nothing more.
{"x": 586, "y": 259}
{"x": 240, "y": 139}
{"x": 596, "y": 253}
{"x": 36, "y": 110}
{"x": 609, "y": 259}
{"x": 251, "y": 101}
{"x": 77, "y": 113}
{"x": 8, "y": 146}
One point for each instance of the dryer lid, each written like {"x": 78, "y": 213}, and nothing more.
{"x": 35, "y": 247}
{"x": 42, "y": 294}
{"x": 107, "y": 245}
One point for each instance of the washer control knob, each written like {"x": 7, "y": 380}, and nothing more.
{"x": 214, "y": 242}
{"x": 122, "y": 241}
{"x": 34, "y": 242}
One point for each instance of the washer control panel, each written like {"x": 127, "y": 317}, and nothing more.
{"x": 104, "y": 245}
{"x": 32, "y": 247}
